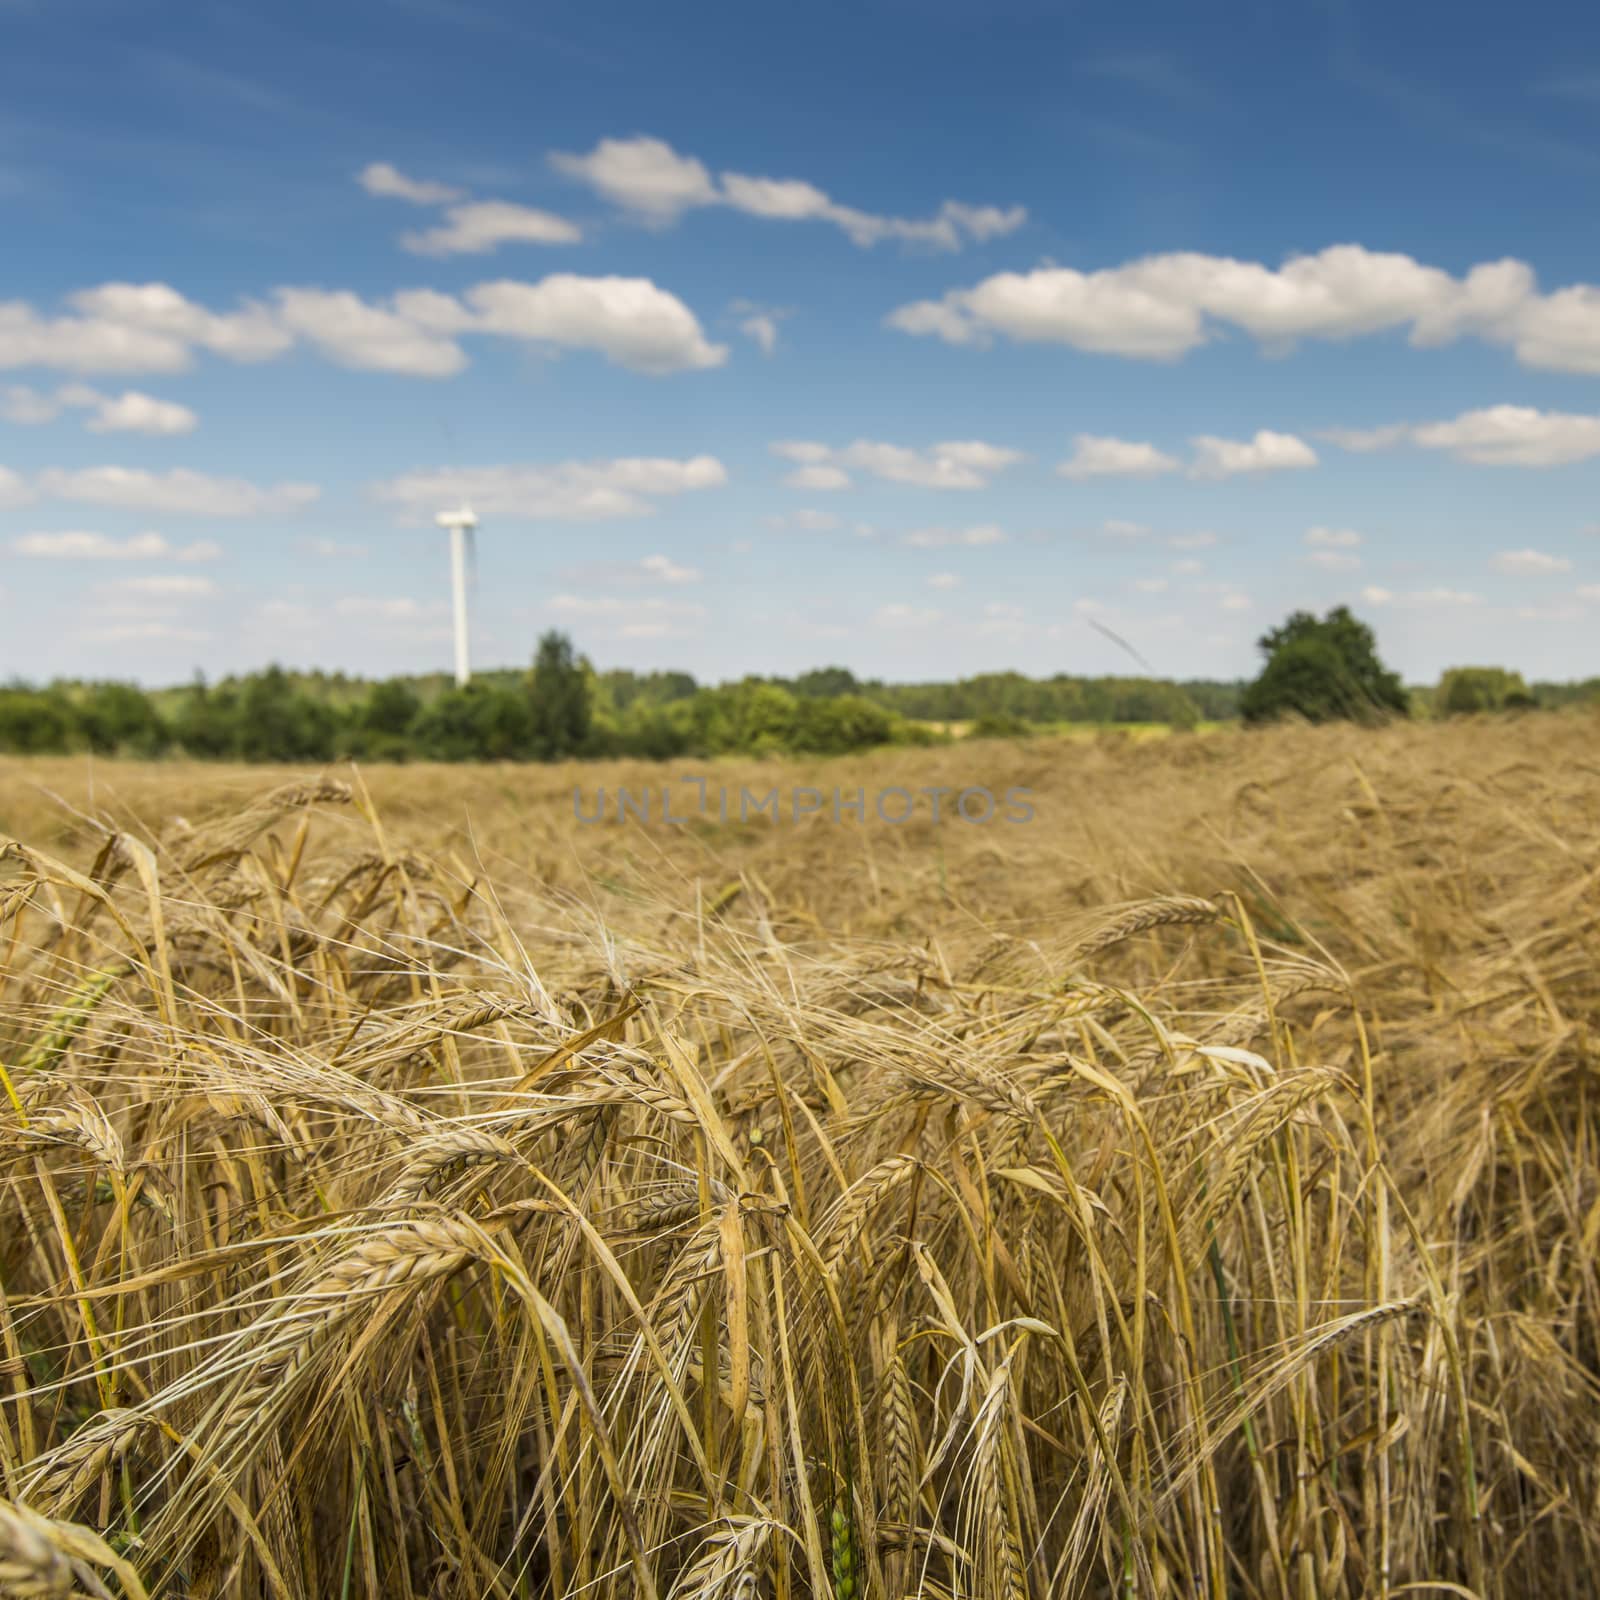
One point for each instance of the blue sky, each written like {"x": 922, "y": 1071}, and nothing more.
{"x": 914, "y": 337}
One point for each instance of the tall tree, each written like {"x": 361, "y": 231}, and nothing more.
{"x": 1322, "y": 670}
{"x": 559, "y": 699}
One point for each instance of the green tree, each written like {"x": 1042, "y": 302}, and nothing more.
{"x": 477, "y": 722}
{"x": 1468, "y": 689}
{"x": 276, "y": 722}
{"x": 560, "y": 699}
{"x": 1323, "y": 670}
{"x": 35, "y": 721}
{"x": 119, "y": 716}
{"x": 840, "y": 723}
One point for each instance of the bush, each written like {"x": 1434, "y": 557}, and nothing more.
{"x": 1000, "y": 725}
{"x": 1464, "y": 690}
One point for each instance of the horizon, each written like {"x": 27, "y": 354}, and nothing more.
{"x": 935, "y": 339}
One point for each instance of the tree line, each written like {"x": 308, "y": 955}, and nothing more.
{"x": 562, "y": 707}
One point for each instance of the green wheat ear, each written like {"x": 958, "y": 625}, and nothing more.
{"x": 844, "y": 1547}
{"x": 67, "y": 1022}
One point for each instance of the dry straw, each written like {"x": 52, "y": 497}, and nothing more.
{"x": 1197, "y": 1196}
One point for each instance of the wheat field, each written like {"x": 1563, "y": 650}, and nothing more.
{"x": 408, "y": 1191}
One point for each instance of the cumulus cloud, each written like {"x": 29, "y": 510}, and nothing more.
{"x": 1335, "y": 560}
{"x": 485, "y": 225}
{"x": 570, "y": 491}
{"x": 1530, "y": 563}
{"x": 415, "y": 333}
{"x": 179, "y": 491}
{"x": 79, "y": 546}
{"x": 630, "y": 321}
{"x": 383, "y": 608}
{"x": 1333, "y": 538}
{"x": 1494, "y": 436}
{"x": 954, "y": 464}
{"x": 1266, "y": 452}
{"x": 1096, "y": 456}
{"x": 645, "y": 176}
{"x": 124, "y": 327}
{"x": 1161, "y": 307}
{"x": 381, "y": 179}
{"x": 649, "y": 179}
{"x": 129, "y": 412}
{"x": 1192, "y": 541}
{"x": 943, "y": 580}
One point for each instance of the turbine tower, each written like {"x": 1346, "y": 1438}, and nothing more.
{"x": 462, "y": 525}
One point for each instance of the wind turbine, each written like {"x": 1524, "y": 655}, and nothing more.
{"x": 462, "y": 525}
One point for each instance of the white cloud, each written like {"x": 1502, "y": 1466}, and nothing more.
{"x": 804, "y": 450}
{"x": 1514, "y": 436}
{"x": 370, "y": 338}
{"x": 14, "y": 489}
{"x": 167, "y": 585}
{"x": 630, "y": 321}
{"x": 763, "y": 330}
{"x": 122, "y": 327}
{"x": 804, "y": 521}
{"x": 944, "y": 580}
{"x": 1187, "y": 569}
{"x": 1420, "y": 600}
{"x": 986, "y": 533}
{"x": 179, "y": 491}
{"x": 954, "y": 464}
{"x": 152, "y": 632}
{"x": 75, "y": 546}
{"x": 484, "y": 225}
{"x": 570, "y": 491}
{"x": 820, "y": 478}
{"x": 381, "y": 179}
{"x": 901, "y": 615}
{"x": 1121, "y": 528}
{"x": 1530, "y": 563}
{"x": 644, "y": 176}
{"x": 332, "y": 549}
{"x": 152, "y": 328}
{"x": 665, "y": 570}
{"x": 1095, "y": 456}
{"x": 1266, "y": 452}
{"x": 1235, "y": 601}
{"x": 1333, "y": 549}
{"x": 649, "y": 179}
{"x": 1589, "y": 591}
{"x": 29, "y": 408}
{"x": 1161, "y": 307}
{"x": 1495, "y": 436}
{"x": 130, "y": 412}
{"x": 1150, "y": 585}
{"x": 1192, "y": 541}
